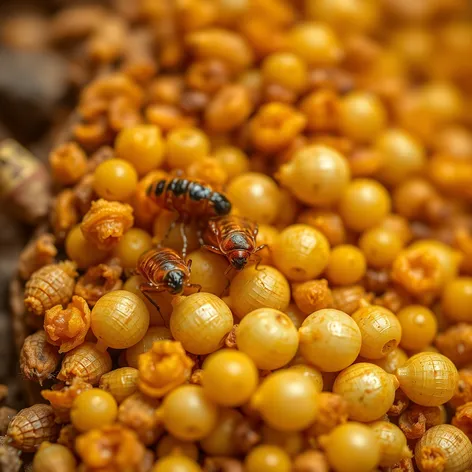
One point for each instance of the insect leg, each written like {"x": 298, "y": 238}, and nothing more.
{"x": 256, "y": 256}
{"x": 147, "y": 288}
{"x": 211, "y": 248}
{"x": 169, "y": 229}
{"x": 184, "y": 240}
{"x": 194, "y": 288}
{"x": 200, "y": 237}
{"x": 189, "y": 264}
{"x": 214, "y": 226}
{"x": 228, "y": 280}
{"x": 258, "y": 260}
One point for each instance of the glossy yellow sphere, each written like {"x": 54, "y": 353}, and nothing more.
{"x": 267, "y": 235}
{"x": 142, "y": 146}
{"x": 428, "y": 378}
{"x": 301, "y": 252}
{"x": 268, "y": 337}
{"x": 285, "y": 69}
{"x": 176, "y": 463}
{"x": 393, "y": 443}
{"x": 257, "y": 288}
{"x": 315, "y": 43}
{"x": 362, "y": 116}
{"x": 330, "y": 340}
{"x": 364, "y": 204}
{"x": 442, "y": 100}
{"x": 233, "y": 160}
{"x": 93, "y": 409}
{"x": 346, "y": 266}
{"x": 115, "y": 179}
{"x": 256, "y": 196}
{"x": 229, "y": 377}
{"x": 403, "y": 156}
{"x": 53, "y": 457}
{"x": 208, "y": 271}
{"x": 309, "y": 371}
{"x": 380, "y": 329}
{"x": 286, "y": 400}
{"x": 419, "y": 327}
{"x": 456, "y": 299}
{"x": 187, "y": 413}
{"x": 380, "y": 246}
{"x": 185, "y": 146}
{"x": 316, "y": 175}
{"x": 120, "y": 319}
{"x": 345, "y": 16}
{"x": 352, "y": 447}
{"x": 267, "y": 458}
{"x": 449, "y": 443}
{"x": 368, "y": 390}
{"x": 200, "y": 322}
{"x": 131, "y": 245}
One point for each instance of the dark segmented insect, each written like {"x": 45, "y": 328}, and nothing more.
{"x": 234, "y": 237}
{"x": 189, "y": 198}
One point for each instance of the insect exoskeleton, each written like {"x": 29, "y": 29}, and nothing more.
{"x": 164, "y": 270}
{"x": 189, "y": 198}
{"x": 233, "y": 237}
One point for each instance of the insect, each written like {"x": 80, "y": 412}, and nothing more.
{"x": 164, "y": 270}
{"x": 234, "y": 237}
{"x": 189, "y": 198}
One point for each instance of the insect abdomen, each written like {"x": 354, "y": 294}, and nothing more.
{"x": 234, "y": 232}
{"x": 155, "y": 263}
{"x": 188, "y": 198}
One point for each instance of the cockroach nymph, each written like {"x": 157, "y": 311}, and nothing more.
{"x": 233, "y": 237}
{"x": 164, "y": 270}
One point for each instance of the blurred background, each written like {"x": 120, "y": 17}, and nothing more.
{"x": 40, "y": 76}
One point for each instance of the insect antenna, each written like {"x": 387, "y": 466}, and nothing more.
{"x": 258, "y": 260}
{"x": 144, "y": 290}
{"x": 228, "y": 280}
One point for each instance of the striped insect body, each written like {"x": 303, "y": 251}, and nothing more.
{"x": 233, "y": 237}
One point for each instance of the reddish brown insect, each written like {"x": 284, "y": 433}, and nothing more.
{"x": 233, "y": 237}
{"x": 189, "y": 198}
{"x": 164, "y": 270}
